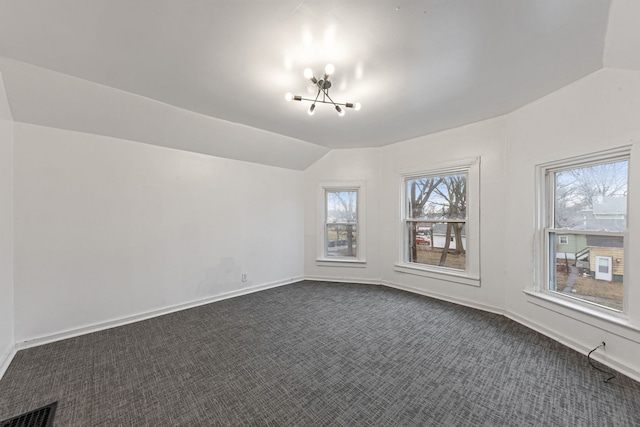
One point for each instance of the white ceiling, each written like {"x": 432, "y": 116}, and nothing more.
{"x": 416, "y": 67}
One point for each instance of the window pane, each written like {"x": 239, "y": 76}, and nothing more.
{"x": 341, "y": 240}
{"x": 342, "y": 206}
{"x": 592, "y": 197}
{"x": 437, "y": 198}
{"x": 590, "y": 268}
{"x": 437, "y": 243}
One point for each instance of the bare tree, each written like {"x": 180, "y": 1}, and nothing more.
{"x": 608, "y": 179}
{"x": 576, "y": 190}
{"x": 420, "y": 192}
{"x": 347, "y": 201}
{"x": 447, "y": 243}
{"x": 568, "y": 204}
{"x": 454, "y": 194}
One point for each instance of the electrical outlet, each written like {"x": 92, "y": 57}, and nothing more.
{"x": 244, "y": 277}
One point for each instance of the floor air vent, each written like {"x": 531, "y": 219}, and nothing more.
{"x": 41, "y": 417}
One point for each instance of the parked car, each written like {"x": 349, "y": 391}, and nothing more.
{"x": 422, "y": 240}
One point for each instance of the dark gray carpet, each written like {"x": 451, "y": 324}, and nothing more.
{"x": 318, "y": 354}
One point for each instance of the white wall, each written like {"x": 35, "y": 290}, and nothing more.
{"x": 342, "y": 167}
{"x": 482, "y": 140}
{"x": 380, "y": 169}
{"x": 108, "y": 228}
{"x": 6, "y": 232}
{"x": 622, "y": 46}
{"x": 598, "y": 112}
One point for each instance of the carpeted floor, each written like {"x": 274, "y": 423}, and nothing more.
{"x": 318, "y": 354}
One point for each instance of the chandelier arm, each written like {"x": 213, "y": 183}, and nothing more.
{"x": 326, "y": 93}
{"x": 316, "y": 100}
{"x": 323, "y": 86}
{"x": 320, "y": 101}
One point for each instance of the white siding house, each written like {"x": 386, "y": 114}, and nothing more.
{"x": 440, "y": 234}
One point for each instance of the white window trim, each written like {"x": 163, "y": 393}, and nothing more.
{"x": 544, "y": 187}
{"x": 361, "y": 256}
{"x": 471, "y": 276}
{"x": 561, "y": 237}
{"x": 594, "y": 315}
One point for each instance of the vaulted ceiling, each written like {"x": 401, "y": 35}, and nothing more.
{"x": 416, "y": 67}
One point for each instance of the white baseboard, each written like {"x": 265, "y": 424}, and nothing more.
{"x": 459, "y": 301}
{"x": 343, "y": 280}
{"x": 466, "y": 303}
{"x": 70, "y": 333}
{"x": 6, "y": 357}
{"x": 9, "y": 353}
{"x": 607, "y": 361}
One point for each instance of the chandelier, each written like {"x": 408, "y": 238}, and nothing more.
{"x": 323, "y": 85}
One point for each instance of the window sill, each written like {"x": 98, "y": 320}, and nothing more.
{"x": 341, "y": 262}
{"x": 590, "y": 315}
{"x": 442, "y": 274}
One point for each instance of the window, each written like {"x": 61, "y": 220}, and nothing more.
{"x": 341, "y": 224}
{"x": 585, "y": 199}
{"x": 440, "y": 223}
{"x": 437, "y": 209}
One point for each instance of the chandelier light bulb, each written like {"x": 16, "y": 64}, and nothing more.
{"x": 329, "y": 69}
{"x": 322, "y": 86}
{"x": 308, "y": 73}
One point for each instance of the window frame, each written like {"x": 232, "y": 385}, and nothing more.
{"x": 545, "y": 205}
{"x": 471, "y": 275}
{"x": 359, "y": 260}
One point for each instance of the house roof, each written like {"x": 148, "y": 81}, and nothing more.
{"x": 610, "y": 206}
{"x": 605, "y": 241}
{"x": 441, "y": 230}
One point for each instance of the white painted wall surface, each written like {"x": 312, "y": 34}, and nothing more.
{"x": 6, "y": 232}
{"x": 598, "y": 112}
{"x": 108, "y": 228}
{"x": 337, "y": 168}
{"x": 482, "y": 140}
{"x": 380, "y": 168}
{"x": 622, "y": 46}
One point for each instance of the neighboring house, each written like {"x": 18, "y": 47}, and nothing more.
{"x": 606, "y": 263}
{"x": 602, "y": 257}
{"x": 568, "y": 245}
{"x": 439, "y": 233}
{"x": 608, "y": 213}
{"x": 606, "y": 258}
